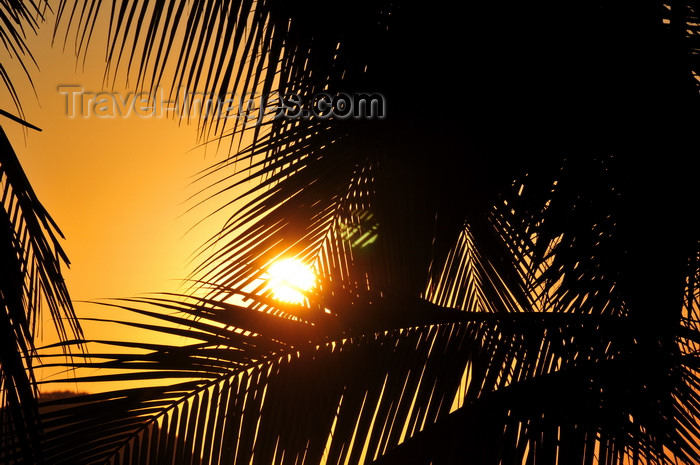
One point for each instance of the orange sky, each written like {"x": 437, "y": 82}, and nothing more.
{"x": 117, "y": 187}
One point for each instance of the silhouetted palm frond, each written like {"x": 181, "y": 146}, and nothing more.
{"x": 17, "y": 18}
{"x": 30, "y": 277}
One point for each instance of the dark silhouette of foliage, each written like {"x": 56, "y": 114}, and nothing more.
{"x": 17, "y": 17}
{"x": 30, "y": 277}
{"x": 530, "y": 291}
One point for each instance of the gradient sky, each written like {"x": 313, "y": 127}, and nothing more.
{"x": 117, "y": 187}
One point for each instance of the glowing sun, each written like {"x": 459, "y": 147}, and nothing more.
{"x": 289, "y": 279}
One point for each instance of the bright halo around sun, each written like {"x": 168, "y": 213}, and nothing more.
{"x": 289, "y": 279}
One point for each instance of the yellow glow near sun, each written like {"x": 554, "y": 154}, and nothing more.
{"x": 289, "y": 279}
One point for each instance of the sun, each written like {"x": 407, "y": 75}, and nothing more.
{"x": 289, "y": 279}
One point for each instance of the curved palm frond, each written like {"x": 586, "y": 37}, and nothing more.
{"x": 229, "y": 367}
{"x": 16, "y": 18}
{"x": 30, "y": 277}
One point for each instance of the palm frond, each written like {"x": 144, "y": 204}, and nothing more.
{"x": 230, "y": 345}
{"x": 17, "y": 19}
{"x": 30, "y": 277}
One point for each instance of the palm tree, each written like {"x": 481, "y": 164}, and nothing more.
{"x": 507, "y": 265}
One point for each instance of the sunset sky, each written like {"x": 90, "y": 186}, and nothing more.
{"x": 117, "y": 187}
